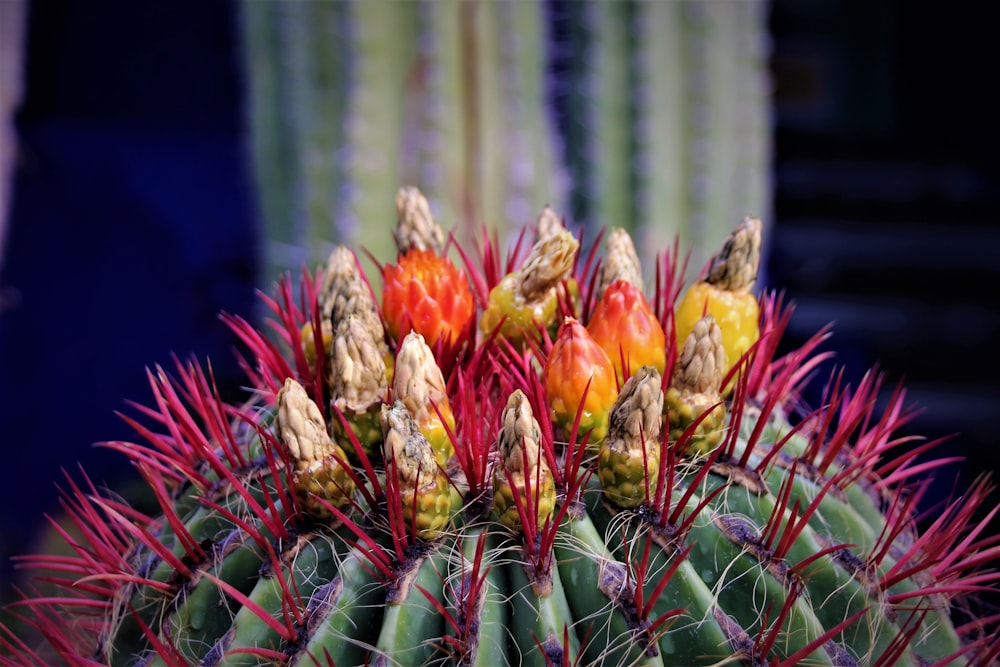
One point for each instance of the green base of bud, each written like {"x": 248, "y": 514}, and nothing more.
{"x": 683, "y": 410}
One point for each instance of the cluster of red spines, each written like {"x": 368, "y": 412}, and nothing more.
{"x": 195, "y": 437}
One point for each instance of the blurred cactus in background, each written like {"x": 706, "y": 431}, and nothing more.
{"x": 652, "y": 116}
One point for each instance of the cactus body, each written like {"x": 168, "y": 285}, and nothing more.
{"x": 785, "y": 540}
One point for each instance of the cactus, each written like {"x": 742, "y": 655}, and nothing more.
{"x": 670, "y": 525}
{"x": 642, "y": 114}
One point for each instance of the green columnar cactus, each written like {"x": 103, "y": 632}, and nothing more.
{"x": 789, "y": 539}
{"x": 642, "y": 114}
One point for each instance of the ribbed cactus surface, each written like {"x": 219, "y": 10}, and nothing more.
{"x": 451, "y": 471}
{"x": 648, "y": 115}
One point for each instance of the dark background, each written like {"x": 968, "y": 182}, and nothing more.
{"x": 133, "y": 220}
{"x": 887, "y": 201}
{"x": 132, "y": 227}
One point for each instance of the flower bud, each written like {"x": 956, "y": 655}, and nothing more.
{"x": 579, "y": 373}
{"x": 624, "y": 325}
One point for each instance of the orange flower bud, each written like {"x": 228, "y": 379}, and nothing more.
{"x": 624, "y": 325}
{"x": 579, "y": 372}
{"x": 426, "y": 293}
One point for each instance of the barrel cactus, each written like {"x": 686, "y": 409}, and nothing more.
{"x": 566, "y": 492}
